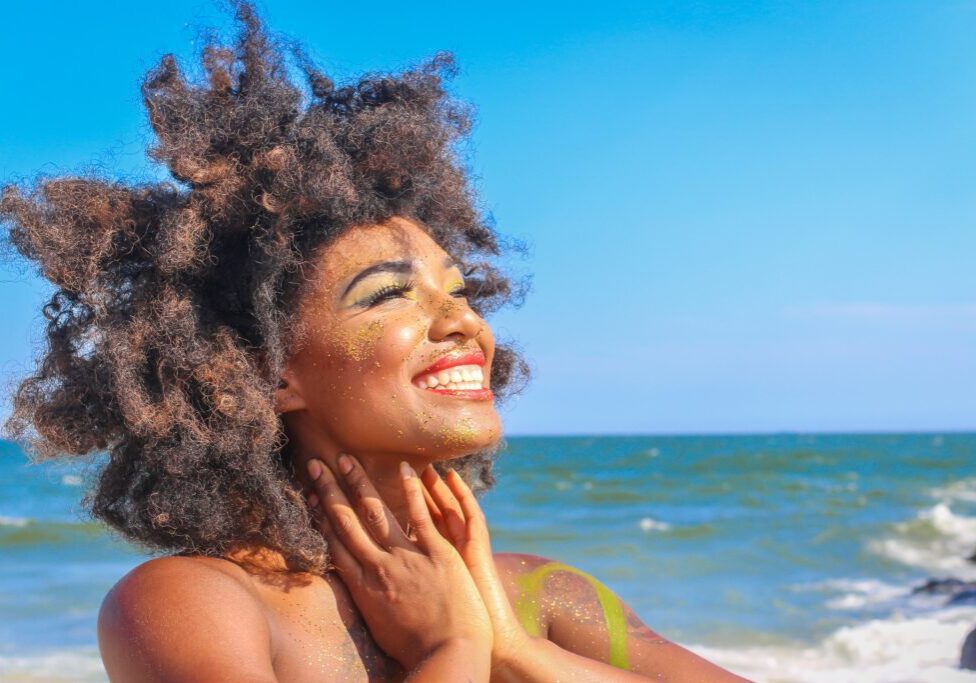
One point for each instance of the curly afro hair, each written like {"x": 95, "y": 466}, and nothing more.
{"x": 176, "y": 302}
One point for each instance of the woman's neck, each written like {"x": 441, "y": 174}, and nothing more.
{"x": 383, "y": 470}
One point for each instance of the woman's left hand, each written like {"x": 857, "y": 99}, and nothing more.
{"x": 459, "y": 518}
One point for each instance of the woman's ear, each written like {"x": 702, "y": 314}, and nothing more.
{"x": 288, "y": 396}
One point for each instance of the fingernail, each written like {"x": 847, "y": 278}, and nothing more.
{"x": 314, "y": 468}
{"x": 313, "y": 500}
{"x": 405, "y": 470}
{"x": 345, "y": 464}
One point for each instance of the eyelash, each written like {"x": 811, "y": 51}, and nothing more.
{"x": 389, "y": 291}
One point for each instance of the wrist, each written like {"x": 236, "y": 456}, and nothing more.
{"x": 506, "y": 654}
{"x": 462, "y": 646}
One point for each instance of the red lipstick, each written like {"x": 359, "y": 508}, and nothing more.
{"x": 452, "y": 360}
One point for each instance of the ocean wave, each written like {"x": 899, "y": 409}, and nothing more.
{"x": 937, "y": 540}
{"x": 54, "y": 666}
{"x": 856, "y": 594}
{"x": 963, "y": 490}
{"x": 651, "y": 524}
{"x": 6, "y": 520}
{"x": 24, "y": 531}
{"x": 897, "y": 649}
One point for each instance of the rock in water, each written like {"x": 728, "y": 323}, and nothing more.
{"x": 967, "y": 597}
{"x": 968, "y": 659}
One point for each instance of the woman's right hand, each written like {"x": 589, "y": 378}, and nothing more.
{"x": 415, "y": 596}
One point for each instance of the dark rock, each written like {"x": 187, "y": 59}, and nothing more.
{"x": 968, "y": 658}
{"x": 944, "y": 587}
{"x": 966, "y": 597}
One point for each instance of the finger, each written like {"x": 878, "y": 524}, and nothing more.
{"x": 373, "y": 512}
{"x": 342, "y": 518}
{"x": 339, "y": 555}
{"x": 435, "y": 513}
{"x": 428, "y": 538}
{"x": 446, "y": 503}
{"x": 477, "y": 525}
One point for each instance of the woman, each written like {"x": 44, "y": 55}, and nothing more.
{"x": 270, "y": 351}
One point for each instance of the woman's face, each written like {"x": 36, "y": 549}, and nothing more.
{"x": 393, "y": 360}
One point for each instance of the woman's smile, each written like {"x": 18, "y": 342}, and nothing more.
{"x": 458, "y": 374}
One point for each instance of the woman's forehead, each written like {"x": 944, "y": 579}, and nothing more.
{"x": 359, "y": 247}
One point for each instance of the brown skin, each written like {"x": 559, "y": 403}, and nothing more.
{"x": 434, "y": 604}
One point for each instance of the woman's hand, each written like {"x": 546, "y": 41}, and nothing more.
{"x": 416, "y": 596}
{"x": 458, "y": 517}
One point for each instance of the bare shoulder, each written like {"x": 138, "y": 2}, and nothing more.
{"x": 551, "y": 593}
{"x": 184, "y": 618}
{"x": 579, "y": 613}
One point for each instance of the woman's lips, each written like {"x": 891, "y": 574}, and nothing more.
{"x": 458, "y": 374}
{"x": 455, "y": 358}
{"x": 472, "y": 394}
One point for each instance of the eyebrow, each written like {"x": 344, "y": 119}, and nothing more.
{"x": 390, "y": 267}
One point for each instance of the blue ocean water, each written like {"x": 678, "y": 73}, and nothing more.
{"x": 783, "y": 557}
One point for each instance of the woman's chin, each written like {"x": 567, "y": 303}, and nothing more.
{"x": 463, "y": 437}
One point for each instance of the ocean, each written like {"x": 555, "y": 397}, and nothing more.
{"x": 786, "y": 558}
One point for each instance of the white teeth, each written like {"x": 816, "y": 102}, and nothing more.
{"x": 463, "y": 377}
{"x": 463, "y": 386}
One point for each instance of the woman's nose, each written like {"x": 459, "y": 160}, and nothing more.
{"x": 451, "y": 316}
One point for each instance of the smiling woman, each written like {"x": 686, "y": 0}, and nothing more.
{"x": 270, "y": 350}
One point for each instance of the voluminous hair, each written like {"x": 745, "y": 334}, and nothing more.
{"x": 176, "y": 302}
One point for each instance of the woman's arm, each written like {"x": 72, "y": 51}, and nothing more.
{"x": 174, "y": 619}
{"x": 577, "y": 624}
{"x": 456, "y": 660}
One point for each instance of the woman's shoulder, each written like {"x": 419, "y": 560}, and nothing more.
{"x": 524, "y": 570}
{"x": 543, "y": 591}
{"x": 162, "y": 582}
{"x": 184, "y": 618}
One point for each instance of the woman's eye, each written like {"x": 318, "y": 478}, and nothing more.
{"x": 384, "y": 293}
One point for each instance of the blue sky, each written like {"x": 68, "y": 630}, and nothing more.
{"x": 741, "y": 216}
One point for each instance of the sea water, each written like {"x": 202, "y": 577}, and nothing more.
{"x": 782, "y": 557}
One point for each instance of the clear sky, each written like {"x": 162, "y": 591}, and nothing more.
{"x": 742, "y": 216}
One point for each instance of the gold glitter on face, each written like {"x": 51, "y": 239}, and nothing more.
{"x": 461, "y": 432}
{"x": 361, "y": 344}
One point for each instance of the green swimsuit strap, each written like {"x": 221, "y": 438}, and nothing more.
{"x": 527, "y": 608}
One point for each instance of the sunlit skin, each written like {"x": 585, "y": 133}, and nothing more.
{"x": 397, "y": 595}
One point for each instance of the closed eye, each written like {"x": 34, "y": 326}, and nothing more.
{"x": 385, "y": 293}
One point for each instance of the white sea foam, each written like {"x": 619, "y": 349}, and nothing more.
{"x": 937, "y": 540}
{"x": 963, "y": 490}
{"x": 13, "y": 521}
{"x": 71, "y": 480}
{"x": 858, "y": 593}
{"x": 54, "y": 666}
{"x": 650, "y": 524}
{"x": 898, "y": 649}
